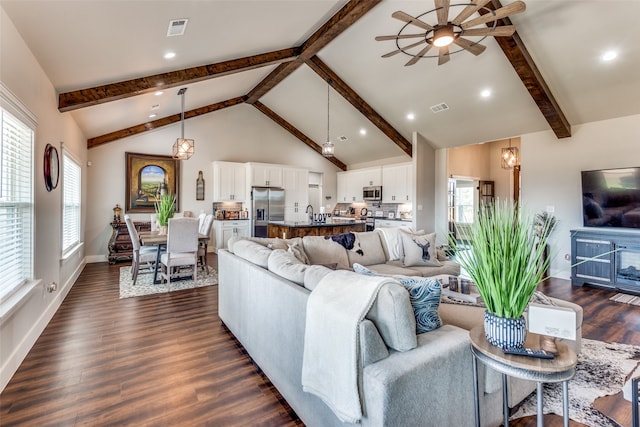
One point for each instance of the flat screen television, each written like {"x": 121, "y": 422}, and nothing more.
{"x": 611, "y": 198}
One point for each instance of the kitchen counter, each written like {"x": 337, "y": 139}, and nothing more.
{"x": 334, "y": 226}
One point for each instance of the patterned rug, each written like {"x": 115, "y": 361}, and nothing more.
{"x": 144, "y": 285}
{"x": 626, "y": 298}
{"x": 601, "y": 371}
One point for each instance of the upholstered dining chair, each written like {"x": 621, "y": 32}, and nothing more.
{"x": 182, "y": 247}
{"x": 144, "y": 257}
{"x": 205, "y": 229}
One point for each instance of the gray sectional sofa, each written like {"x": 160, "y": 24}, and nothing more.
{"x": 264, "y": 285}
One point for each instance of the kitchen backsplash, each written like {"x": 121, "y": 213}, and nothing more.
{"x": 381, "y": 210}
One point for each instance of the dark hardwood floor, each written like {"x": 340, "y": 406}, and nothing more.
{"x": 166, "y": 360}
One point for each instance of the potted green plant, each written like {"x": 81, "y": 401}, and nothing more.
{"x": 165, "y": 208}
{"x": 503, "y": 254}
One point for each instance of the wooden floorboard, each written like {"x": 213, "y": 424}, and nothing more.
{"x": 166, "y": 360}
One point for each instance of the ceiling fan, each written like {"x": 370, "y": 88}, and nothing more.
{"x": 445, "y": 32}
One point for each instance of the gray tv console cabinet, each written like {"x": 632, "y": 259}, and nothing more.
{"x": 607, "y": 258}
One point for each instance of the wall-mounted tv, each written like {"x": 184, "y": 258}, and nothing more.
{"x": 611, "y": 198}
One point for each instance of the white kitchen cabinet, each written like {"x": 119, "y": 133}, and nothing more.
{"x": 351, "y": 183}
{"x": 397, "y": 183}
{"x": 296, "y": 193}
{"x": 224, "y": 230}
{"x": 265, "y": 175}
{"x": 389, "y": 223}
{"x": 229, "y": 182}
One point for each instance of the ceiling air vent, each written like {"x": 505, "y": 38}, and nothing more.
{"x": 342, "y": 138}
{"x": 439, "y": 107}
{"x": 177, "y": 27}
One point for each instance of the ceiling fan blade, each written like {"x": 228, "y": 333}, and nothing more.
{"x": 443, "y": 55}
{"x": 401, "y": 36}
{"x": 499, "y": 31}
{"x": 442, "y": 11}
{"x": 469, "y": 10}
{"x": 510, "y": 9}
{"x": 470, "y": 46}
{"x": 411, "y": 20}
{"x": 418, "y": 57}
{"x": 387, "y": 55}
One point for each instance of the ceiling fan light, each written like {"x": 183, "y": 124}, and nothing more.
{"x": 443, "y": 36}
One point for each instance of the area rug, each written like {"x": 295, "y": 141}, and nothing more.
{"x": 601, "y": 371}
{"x": 144, "y": 285}
{"x": 626, "y": 298}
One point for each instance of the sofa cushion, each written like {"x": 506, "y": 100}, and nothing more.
{"x": 325, "y": 251}
{"x": 424, "y": 294}
{"x": 286, "y": 265}
{"x": 392, "y": 314}
{"x": 391, "y": 243}
{"x": 419, "y": 250}
{"x": 446, "y": 267}
{"x": 394, "y": 268}
{"x": 371, "y": 249}
{"x": 269, "y": 242}
{"x": 252, "y": 252}
{"x": 313, "y": 274}
{"x": 297, "y": 250}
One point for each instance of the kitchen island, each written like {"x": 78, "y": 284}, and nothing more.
{"x": 286, "y": 230}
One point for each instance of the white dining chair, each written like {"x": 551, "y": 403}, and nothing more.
{"x": 205, "y": 229}
{"x": 154, "y": 222}
{"x": 144, "y": 257}
{"x": 182, "y": 247}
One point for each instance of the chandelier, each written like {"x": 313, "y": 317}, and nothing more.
{"x": 510, "y": 156}
{"x": 328, "y": 148}
{"x": 183, "y": 148}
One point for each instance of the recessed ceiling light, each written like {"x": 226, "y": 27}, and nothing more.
{"x": 486, "y": 93}
{"x": 411, "y": 116}
{"x": 169, "y": 55}
{"x": 363, "y": 131}
{"x": 609, "y": 55}
{"x": 158, "y": 93}
{"x": 152, "y": 115}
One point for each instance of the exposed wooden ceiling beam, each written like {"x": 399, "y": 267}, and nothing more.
{"x": 145, "y": 127}
{"x": 340, "y": 86}
{"x": 519, "y": 57}
{"x": 114, "y": 91}
{"x": 331, "y": 29}
{"x": 295, "y": 132}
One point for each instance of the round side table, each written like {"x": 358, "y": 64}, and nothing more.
{"x": 559, "y": 369}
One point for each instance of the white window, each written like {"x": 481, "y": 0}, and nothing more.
{"x": 72, "y": 190}
{"x": 16, "y": 202}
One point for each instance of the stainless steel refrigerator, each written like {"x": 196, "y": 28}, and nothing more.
{"x": 268, "y": 205}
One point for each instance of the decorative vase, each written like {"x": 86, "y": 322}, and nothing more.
{"x": 162, "y": 229}
{"x": 505, "y": 332}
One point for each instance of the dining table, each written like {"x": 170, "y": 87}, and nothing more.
{"x": 155, "y": 238}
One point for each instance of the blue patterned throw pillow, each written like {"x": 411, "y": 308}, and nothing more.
{"x": 424, "y": 294}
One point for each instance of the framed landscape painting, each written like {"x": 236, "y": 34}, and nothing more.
{"x": 148, "y": 177}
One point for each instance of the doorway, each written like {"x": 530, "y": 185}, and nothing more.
{"x": 463, "y": 202}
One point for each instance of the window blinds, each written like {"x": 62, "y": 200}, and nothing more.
{"x": 16, "y": 203}
{"x": 71, "y": 187}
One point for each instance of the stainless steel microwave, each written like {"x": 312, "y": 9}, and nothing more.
{"x": 372, "y": 194}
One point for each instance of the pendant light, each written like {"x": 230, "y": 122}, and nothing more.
{"x": 509, "y": 156}
{"x": 183, "y": 148}
{"x": 328, "y": 148}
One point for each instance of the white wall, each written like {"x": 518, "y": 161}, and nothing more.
{"x": 424, "y": 166}
{"x": 239, "y": 134}
{"x": 551, "y": 172}
{"x": 22, "y": 75}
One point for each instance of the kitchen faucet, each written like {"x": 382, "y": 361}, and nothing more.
{"x": 307, "y": 211}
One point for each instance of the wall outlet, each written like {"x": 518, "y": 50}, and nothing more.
{"x": 551, "y": 209}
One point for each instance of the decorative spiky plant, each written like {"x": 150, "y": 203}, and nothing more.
{"x": 505, "y": 259}
{"x": 165, "y": 208}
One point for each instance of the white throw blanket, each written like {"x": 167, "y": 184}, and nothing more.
{"x": 331, "y": 345}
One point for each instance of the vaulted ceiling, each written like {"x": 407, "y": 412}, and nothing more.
{"x": 105, "y": 59}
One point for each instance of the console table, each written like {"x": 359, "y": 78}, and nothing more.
{"x": 120, "y": 247}
{"x": 609, "y": 258}
{"x": 560, "y": 369}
